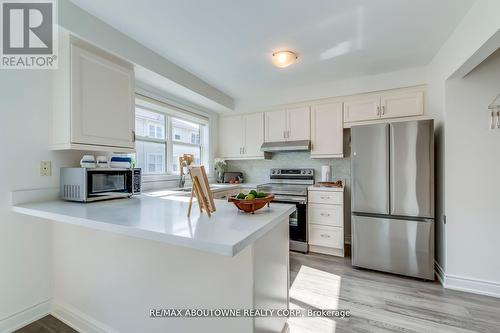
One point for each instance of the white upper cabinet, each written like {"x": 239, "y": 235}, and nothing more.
{"x": 275, "y": 126}
{"x": 288, "y": 125}
{"x": 402, "y": 104}
{"x": 390, "y": 104}
{"x": 240, "y": 137}
{"x": 327, "y": 130}
{"x": 298, "y": 124}
{"x": 230, "y": 137}
{"x": 253, "y": 126}
{"x": 362, "y": 108}
{"x": 94, "y": 100}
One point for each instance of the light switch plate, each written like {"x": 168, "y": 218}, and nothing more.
{"x": 45, "y": 168}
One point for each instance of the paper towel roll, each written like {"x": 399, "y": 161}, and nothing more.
{"x": 325, "y": 173}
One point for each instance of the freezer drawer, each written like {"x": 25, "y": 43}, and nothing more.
{"x": 403, "y": 247}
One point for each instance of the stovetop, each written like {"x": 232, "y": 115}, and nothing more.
{"x": 292, "y": 182}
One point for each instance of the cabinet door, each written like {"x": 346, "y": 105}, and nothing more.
{"x": 327, "y": 130}
{"x": 298, "y": 124}
{"x": 275, "y": 126}
{"x": 253, "y": 125}
{"x": 364, "y": 108}
{"x": 230, "y": 136}
{"x": 102, "y": 99}
{"x": 402, "y": 104}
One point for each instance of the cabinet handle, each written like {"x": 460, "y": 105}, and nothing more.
{"x": 325, "y": 198}
{"x": 383, "y": 110}
{"x": 325, "y": 236}
{"x": 133, "y": 136}
{"x": 324, "y": 214}
{"x": 378, "y": 110}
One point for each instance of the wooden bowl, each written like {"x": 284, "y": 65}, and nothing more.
{"x": 250, "y": 206}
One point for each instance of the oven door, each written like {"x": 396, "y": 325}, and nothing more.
{"x": 297, "y": 222}
{"x": 108, "y": 184}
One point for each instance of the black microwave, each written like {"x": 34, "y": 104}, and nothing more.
{"x": 85, "y": 184}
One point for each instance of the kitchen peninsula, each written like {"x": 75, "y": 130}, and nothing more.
{"x": 115, "y": 261}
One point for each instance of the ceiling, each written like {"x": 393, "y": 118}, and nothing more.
{"x": 228, "y": 43}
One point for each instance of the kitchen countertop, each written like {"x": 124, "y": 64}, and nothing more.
{"x": 325, "y": 188}
{"x": 163, "y": 217}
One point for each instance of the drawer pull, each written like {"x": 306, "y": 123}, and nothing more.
{"x": 324, "y": 214}
{"x": 325, "y": 235}
{"x": 325, "y": 198}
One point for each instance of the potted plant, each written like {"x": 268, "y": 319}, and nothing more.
{"x": 220, "y": 168}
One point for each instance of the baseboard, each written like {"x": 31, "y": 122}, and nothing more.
{"x": 475, "y": 286}
{"x": 24, "y": 317}
{"x": 326, "y": 250}
{"x": 469, "y": 285}
{"x": 78, "y": 320}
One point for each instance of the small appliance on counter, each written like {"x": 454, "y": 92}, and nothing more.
{"x": 93, "y": 184}
{"x": 326, "y": 171}
{"x": 233, "y": 177}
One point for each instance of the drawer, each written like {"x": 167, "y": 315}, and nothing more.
{"x": 326, "y": 236}
{"x": 332, "y": 215}
{"x": 324, "y": 197}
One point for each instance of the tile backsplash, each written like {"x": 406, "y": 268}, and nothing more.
{"x": 257, "y": 171}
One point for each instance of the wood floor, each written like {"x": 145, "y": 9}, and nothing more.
{"x": 47, "y": 324}
{"x": 382, "y": 302}
{"x": 378, "y": 302}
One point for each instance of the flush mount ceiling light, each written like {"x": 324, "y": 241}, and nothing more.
{"x": 284, "y": 59}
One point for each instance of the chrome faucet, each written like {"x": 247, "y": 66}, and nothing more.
{"x": 182, "y": 179}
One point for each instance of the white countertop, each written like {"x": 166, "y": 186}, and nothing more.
{"x": 165, "y": 219}
{"x": 325, "y": 188}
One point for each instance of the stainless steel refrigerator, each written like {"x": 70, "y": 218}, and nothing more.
{"x": 392, "y": 172}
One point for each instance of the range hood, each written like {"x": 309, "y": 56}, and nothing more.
{"x": 300, "y": 145}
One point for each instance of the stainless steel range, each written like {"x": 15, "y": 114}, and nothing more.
{"x": 290, "y": 186}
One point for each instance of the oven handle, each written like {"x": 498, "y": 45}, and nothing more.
{"x": 294, "y": 200}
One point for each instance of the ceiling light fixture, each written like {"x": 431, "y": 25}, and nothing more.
{"x": 284, "y": 59}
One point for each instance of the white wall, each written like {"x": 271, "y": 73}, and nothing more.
{"x": 473, "y": 177}
{"x": 404, "y": 78}
{"x": 478, "y": 26}
{"x": 25, "y": 265}
{"x": 25, "y": 243}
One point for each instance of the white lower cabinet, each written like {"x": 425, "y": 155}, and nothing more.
{"x": 325, "y": 219}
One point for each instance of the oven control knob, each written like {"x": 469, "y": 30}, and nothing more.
{"x": 303, "y": 172}
{"x": 309, "y": 172}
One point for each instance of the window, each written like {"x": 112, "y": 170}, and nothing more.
{"x": 183, "y": 141}
{"x": 162, "y": 137}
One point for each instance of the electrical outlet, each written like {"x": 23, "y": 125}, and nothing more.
{"x": 45, "y": 168}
